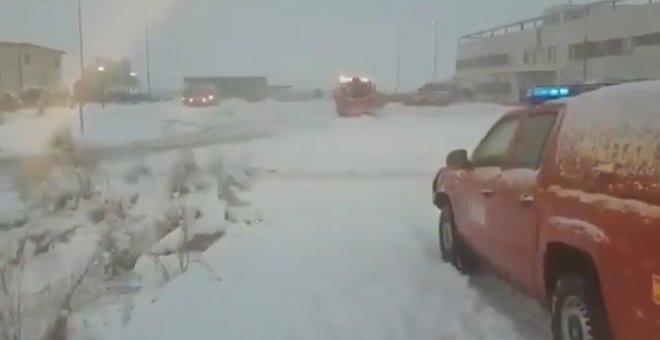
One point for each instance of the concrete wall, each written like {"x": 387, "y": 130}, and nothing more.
{"x": 9, "y": 73}
{"x": 41, "y": 67}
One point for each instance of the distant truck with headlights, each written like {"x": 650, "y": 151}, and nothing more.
{"x": 356, "y": 96}
{"x": 200, "y": 95}
{"x": 561, "y": 198}
{"x": 251, "y": 89}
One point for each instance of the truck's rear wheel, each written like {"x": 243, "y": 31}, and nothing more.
{"x": 578, "y": 312}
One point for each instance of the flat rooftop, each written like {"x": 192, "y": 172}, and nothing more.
{"x": 26, "y": 44}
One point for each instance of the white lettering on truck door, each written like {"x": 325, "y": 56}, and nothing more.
{"x": 477, "y": 212}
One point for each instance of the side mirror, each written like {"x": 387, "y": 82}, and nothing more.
{"x": 458, "y": 160}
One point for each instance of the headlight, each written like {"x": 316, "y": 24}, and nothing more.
{"x": 211, "y": 97}
{"x": 204, "y": 100}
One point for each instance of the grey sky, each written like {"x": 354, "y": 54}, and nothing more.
{"x": 303, "y": 42}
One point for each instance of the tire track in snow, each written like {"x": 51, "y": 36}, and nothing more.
{"x": 341, "y": 175}
{"x": 528, "y": 318}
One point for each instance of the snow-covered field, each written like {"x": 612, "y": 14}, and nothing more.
{"x": 326, "y": 226}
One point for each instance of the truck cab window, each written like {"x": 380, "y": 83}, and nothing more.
{"x": 493, "y": 149}
{"x": 532, "y": 139}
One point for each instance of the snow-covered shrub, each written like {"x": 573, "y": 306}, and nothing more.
{"x": 218, "y": 168}
{"x": 140, "y": 169}
{"x": 189, "y": 233}
{"x": 183, "y": 169}
{"x": 60, "y": 178}
{"x": 43, "y": 314}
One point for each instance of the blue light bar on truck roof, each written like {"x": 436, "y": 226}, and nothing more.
{"x": 549, "y": 92}
{"x": 541, "y": 94}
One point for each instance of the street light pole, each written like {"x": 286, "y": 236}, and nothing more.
{"x": 82, "y": 69}
{"x": 398, "y": 71}
{"x": 147, "y": 56}
{"x": 585, "y": 61}
{"x": 101, "y": 70}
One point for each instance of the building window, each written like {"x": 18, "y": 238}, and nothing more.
{"x": 574, "y": 52}
{"x": 597, "y": 49}
{"x": 628, "y": 46}
{"x": 57, "y": 64}
{"x": 552, "y": 54}
{"x": 612, "y": 47}
{"x": 526, "y": 57}
{"x": 26, "y": 59}
{"x": 551, "y": 19}
{"x": 573, "y": 14}
{"x": 483, "y": 61}
{"x": 647, "y": 39}
{"x": 539, "y": 55}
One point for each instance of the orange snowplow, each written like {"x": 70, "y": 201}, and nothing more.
{"x": 356, "y": 96}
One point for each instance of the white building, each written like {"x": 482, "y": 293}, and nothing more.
{"x": 24, "y": 65}
{"x": 611, "y": 40}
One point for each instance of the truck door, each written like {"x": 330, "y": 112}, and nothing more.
{"x": 514, "y": 215}
{"x": 478, "y": 185}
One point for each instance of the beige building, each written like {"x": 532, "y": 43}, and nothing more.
{"x": 23, "y": 66}
{"x": 612, "y": 40}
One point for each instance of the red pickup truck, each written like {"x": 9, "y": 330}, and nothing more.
{"x": 562, "y": 200}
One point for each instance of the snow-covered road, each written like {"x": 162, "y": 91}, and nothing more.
{"x": 347, "y": 248}
{"x": 336, "y": 260}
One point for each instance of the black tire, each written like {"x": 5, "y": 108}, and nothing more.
{"x": 445, "y": 229}
{"x": 578, "y": 311}
{"x": 452, "y": 247}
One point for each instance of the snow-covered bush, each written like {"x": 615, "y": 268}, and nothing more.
{"x": 188, "y": 236}
{"x": 43, "y": 314}
{"x": 140, "y": 169}
{"x": 110, "y": 243}
{"x": 60, "y": 178}
{"x": 183, "y": 169}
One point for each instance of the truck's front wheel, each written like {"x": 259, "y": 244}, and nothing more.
{"x": 578, "y": 312}
{"x": 446, "y": 236}
{"x": 452, "y": 247}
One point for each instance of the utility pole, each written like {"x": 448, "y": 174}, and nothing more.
{"x": 148, "y": 60}
{"x": 585, "y": 57}
{"x": 435, "y": 50}
{"x": 398, "y": 71}
{"x": 82, "y": 69}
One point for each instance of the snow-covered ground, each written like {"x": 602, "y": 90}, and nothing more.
{"x": 334, "y": 237}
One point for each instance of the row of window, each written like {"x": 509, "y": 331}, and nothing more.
{"x": 611, "y": 47}
{"x": 540, "y": 55}
{"x": 577, "y": 51}
{"x": 27, "y": 60}
{"x": 483, "y": 61}
{"x": 598, "y": 49}
{"x": 531, "y": 56}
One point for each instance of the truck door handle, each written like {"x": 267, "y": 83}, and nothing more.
{"x": 487, "y": 192}
{"x": 526, "y": 199}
